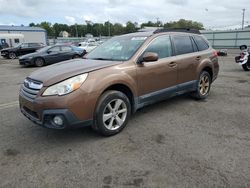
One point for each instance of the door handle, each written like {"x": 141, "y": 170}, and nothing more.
{"x": 172, "y": 64}
{"x": 198, "y": 58}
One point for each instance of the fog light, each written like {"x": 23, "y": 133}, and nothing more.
{"x": 58, "y": 120}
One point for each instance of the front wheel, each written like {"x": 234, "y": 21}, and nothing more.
{"x": 39, "y": 62}
{"x": 112, "y": 113}
{"x": 246, "y": 66}
{"x": 203, "y": 86}
{"x": 12, "y": 55}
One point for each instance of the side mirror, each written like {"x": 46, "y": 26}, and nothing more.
{"x": 148, "y": 57}
{"x": 48, "y": 51}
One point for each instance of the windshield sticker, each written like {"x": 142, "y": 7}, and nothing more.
{"x": 139, "y": 38}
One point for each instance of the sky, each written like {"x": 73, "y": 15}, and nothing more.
{"x": 214, "y": 14}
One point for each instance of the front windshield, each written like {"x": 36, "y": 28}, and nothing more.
{"x": 117, "y": 48}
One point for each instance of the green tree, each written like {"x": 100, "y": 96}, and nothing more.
{"x": 130, "y": 27}
{"x": 182, "y": 23}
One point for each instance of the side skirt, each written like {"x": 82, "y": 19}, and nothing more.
{"x": 163, "y": 94}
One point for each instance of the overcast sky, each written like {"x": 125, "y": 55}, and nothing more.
{"x": 212, "y": 13}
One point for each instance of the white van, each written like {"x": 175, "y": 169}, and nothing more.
{"x": 11, "y": 39}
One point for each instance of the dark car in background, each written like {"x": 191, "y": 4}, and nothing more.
{"x": 21, "y": 49}
{"x": 51, "y": 54}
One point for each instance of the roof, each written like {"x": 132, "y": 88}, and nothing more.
{"x": 11, "y": 35}
{"x": 20, "y": 28}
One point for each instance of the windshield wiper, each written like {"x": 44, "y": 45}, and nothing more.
{"x": 104, "y": 59}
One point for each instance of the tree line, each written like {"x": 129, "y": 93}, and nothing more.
{"x": 110, "y": 29}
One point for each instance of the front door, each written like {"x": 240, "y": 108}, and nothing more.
{"x": 158, "y": 79}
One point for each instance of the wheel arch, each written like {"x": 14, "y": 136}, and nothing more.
{"x": 209, "y": 70}
{"x": 124, "y": 88}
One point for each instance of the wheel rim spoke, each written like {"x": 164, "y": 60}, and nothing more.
{"x": 107, "y": 117}
{"x": 110, "y": 125}
{"x": 118, "y": 104}
{"x": 122, "y": 111}
{"x": 118, "y": 120}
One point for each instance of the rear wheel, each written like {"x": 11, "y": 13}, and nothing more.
{"x": 203, "y": 87}
{"x": 112, "y": 113}
{"x": 39, "y": 62}
{"x": 12, "y": 55}
{"x": 246, "y": 66}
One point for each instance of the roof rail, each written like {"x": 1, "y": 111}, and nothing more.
{"x": 185, "y": 30}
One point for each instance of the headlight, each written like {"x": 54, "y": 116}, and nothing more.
{"x": 66, "y": 86}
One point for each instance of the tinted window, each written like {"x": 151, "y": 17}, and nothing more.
{"x": 194, "y": 45}
{"x": 55, "y": 49}
{"x": 34, "y": 45}
{"x": 66, "y": 48}
{"x": 162, "y": 46}
{"x": 16, "y": 40}
{"x": 183, "y": 45}
{"x": 24, "y": 45}
{"x": 201, "y": 43}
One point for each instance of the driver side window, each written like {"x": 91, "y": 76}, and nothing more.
{"x": 162, "y": 46}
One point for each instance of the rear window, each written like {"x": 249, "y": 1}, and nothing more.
{"x": 183, "y": 45}
{"x": 201, "y": 43}
{"x": 34, "y": 45}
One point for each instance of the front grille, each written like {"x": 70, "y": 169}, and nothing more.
{"x": 30, "y": 88}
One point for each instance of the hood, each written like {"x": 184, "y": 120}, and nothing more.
{"x": 9, "y": 49}
{"x": 58, "y": 72}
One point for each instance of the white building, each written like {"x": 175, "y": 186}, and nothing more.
{"x": 18, "y": 34}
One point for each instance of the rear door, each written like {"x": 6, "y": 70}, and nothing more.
{"x": 187, "y": 59}
{"x": 157, "y": 79}
{"x": 66, "y": 53}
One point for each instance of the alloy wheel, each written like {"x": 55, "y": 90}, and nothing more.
{"x": 204, "y": 85}
{"x": 114, "y": 114}
{"x": 12, "y": 55}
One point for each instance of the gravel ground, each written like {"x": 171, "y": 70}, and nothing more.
{"x": 176, "y": 143}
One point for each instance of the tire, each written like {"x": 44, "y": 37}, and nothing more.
{"x": 246, "y": 66}
{"x": 107, "y": 119}
{"x": 76, "y": 56}
{"x": 39, "y": 62}
{"x": 203, "y": 86}
{"x": 12, "y": 55}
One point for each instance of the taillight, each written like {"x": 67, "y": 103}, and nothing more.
{"x": 215, "y": 54}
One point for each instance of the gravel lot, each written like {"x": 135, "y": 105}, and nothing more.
{"x": 176, "y": 143}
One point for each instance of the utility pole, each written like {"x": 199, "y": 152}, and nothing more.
{"x": 243, "y": 17}
{"x": 76, "y": 30}
{"x": 109, "y": 28}
{"x": 157, "y": 21}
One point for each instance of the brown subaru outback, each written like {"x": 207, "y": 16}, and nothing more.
{"x": 122, "y": 75}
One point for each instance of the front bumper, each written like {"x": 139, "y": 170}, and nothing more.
{"x": 26, "y": 62}
{"x": 69, "y": 119}
{"x": 4, "y": 54}
{"x": 42, "y": 110}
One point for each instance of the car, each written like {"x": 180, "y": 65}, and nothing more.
{"x": 119, "y": 77}
{"x": 88, "y": 46}
{"x": 51, "y": 54}
{"x": 21, "y": 49}
{"x": 4, "y": 45}
{"x": 222, "y": 52}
